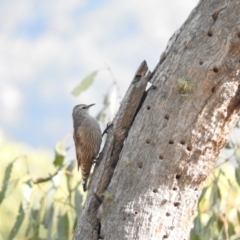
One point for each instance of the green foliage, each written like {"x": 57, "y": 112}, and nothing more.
{"x": 6, "y": 181}
{"x": 108, "y": 196}
{"x": 127, "y": 162}
{"x": 185, "y": 86}
{"x": 85, "y": 84}
{"x": 48, "y": 206}
{"x": 237, "y": 175}
{"x": 63, "y": 226}
{"x": 18, "y": 223}
{"x": 60, "y": 153}
{"x": 218, "y": 207}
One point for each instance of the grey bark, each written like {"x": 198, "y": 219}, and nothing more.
{"x": 165, "y": 142}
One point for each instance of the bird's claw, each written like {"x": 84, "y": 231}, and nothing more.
{"x": 109, "y": 125}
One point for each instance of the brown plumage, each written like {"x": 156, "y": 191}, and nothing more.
{"x": 87, "y": 137}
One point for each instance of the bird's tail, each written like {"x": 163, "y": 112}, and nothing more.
{"x": 84, "y": 186}
{"x": 85, "y": 174}
{"x": 84, "y": 183}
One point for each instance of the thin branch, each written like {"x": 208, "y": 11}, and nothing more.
{"x": 42, "y": 180}
{"x": 115, "y": 83}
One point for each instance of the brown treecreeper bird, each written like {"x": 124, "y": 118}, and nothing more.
{"x": 87, "y": 137}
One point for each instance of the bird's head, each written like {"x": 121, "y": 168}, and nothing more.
{"x": 81, "y": 108}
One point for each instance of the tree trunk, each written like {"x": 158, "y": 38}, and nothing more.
{"x": 165, "y": 142}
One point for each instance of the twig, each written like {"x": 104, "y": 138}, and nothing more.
{"x": 42, "y": 180}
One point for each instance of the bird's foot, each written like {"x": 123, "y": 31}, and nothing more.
{"x": 109, "y": 125}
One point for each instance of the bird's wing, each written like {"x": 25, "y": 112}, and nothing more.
{"x": 78, "y": 143}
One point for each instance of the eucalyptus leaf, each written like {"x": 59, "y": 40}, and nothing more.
{"x": 237, "y": 175}
{"x": 48, "y": 216}
{"x": 208, "y": 228}
{"x": 63, "y": 227}
{"x": 210, "y": 221}
{"x": 231, "y": 229}
{"x": 50, "y": 222}
{"x": 85, "y": 84}
{"x": 60, "y": 153}
{"x": 203, "y": 194}
{"x": 58, "y": 159}
{"x": 35, "y": 221}
{"x": 215, "y": 196}
{"x": 18, "y": 223}
{"x": 78, "y": 202}
{"x": 7, "y": 175}
{"x": 238, "y": 215}
{"x": 198, "y": 224}
{"x": 195, "y": 236}
{"x": 220, "y": 224}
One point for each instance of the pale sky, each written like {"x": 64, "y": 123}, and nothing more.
{"x": 48, "y": 47}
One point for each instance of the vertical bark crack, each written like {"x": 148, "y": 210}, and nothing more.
{"x": 125, "y": 117}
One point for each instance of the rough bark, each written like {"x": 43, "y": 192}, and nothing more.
{"x": 165, "y": 142}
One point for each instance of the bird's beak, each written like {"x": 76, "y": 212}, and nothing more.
{"x": 90, "y": 105}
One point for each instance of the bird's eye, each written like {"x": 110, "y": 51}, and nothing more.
{"x": 83, "y": 107}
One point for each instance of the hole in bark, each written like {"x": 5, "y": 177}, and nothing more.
{"x": 164, "y": 201}
{"x": 174, "y": 189}
{"x": 201, "y": 62}
{"x": 148, "y": 107}
{"x": 213, "y": 89}
{"x": 215, "y": 16}
{"x": 189, "y": 148}
{"x": 168, "y": 214}
{"x": 215, "y": 69}
{"x": 182, "y": 142}
{"x": 210, "y": 33}
{"x": 99, "y": 228}
{"x": 161, "y": 157}
{"x": 195, "y": 189}
{"x": 171, "y": 142}
{"x": 239, "y": 34}
{"x": 176, "y": 204}
{"x": 101, "y": 236}
{"x": 165, "y": 236}
{"x": 140, "y": 164}
{"x": 155, "y": 190}
{"x": 136, "y": 212}
{"x": 166, "y": 116}
{"x": 148, "y": 141}
{"x": 178, "y": 176}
